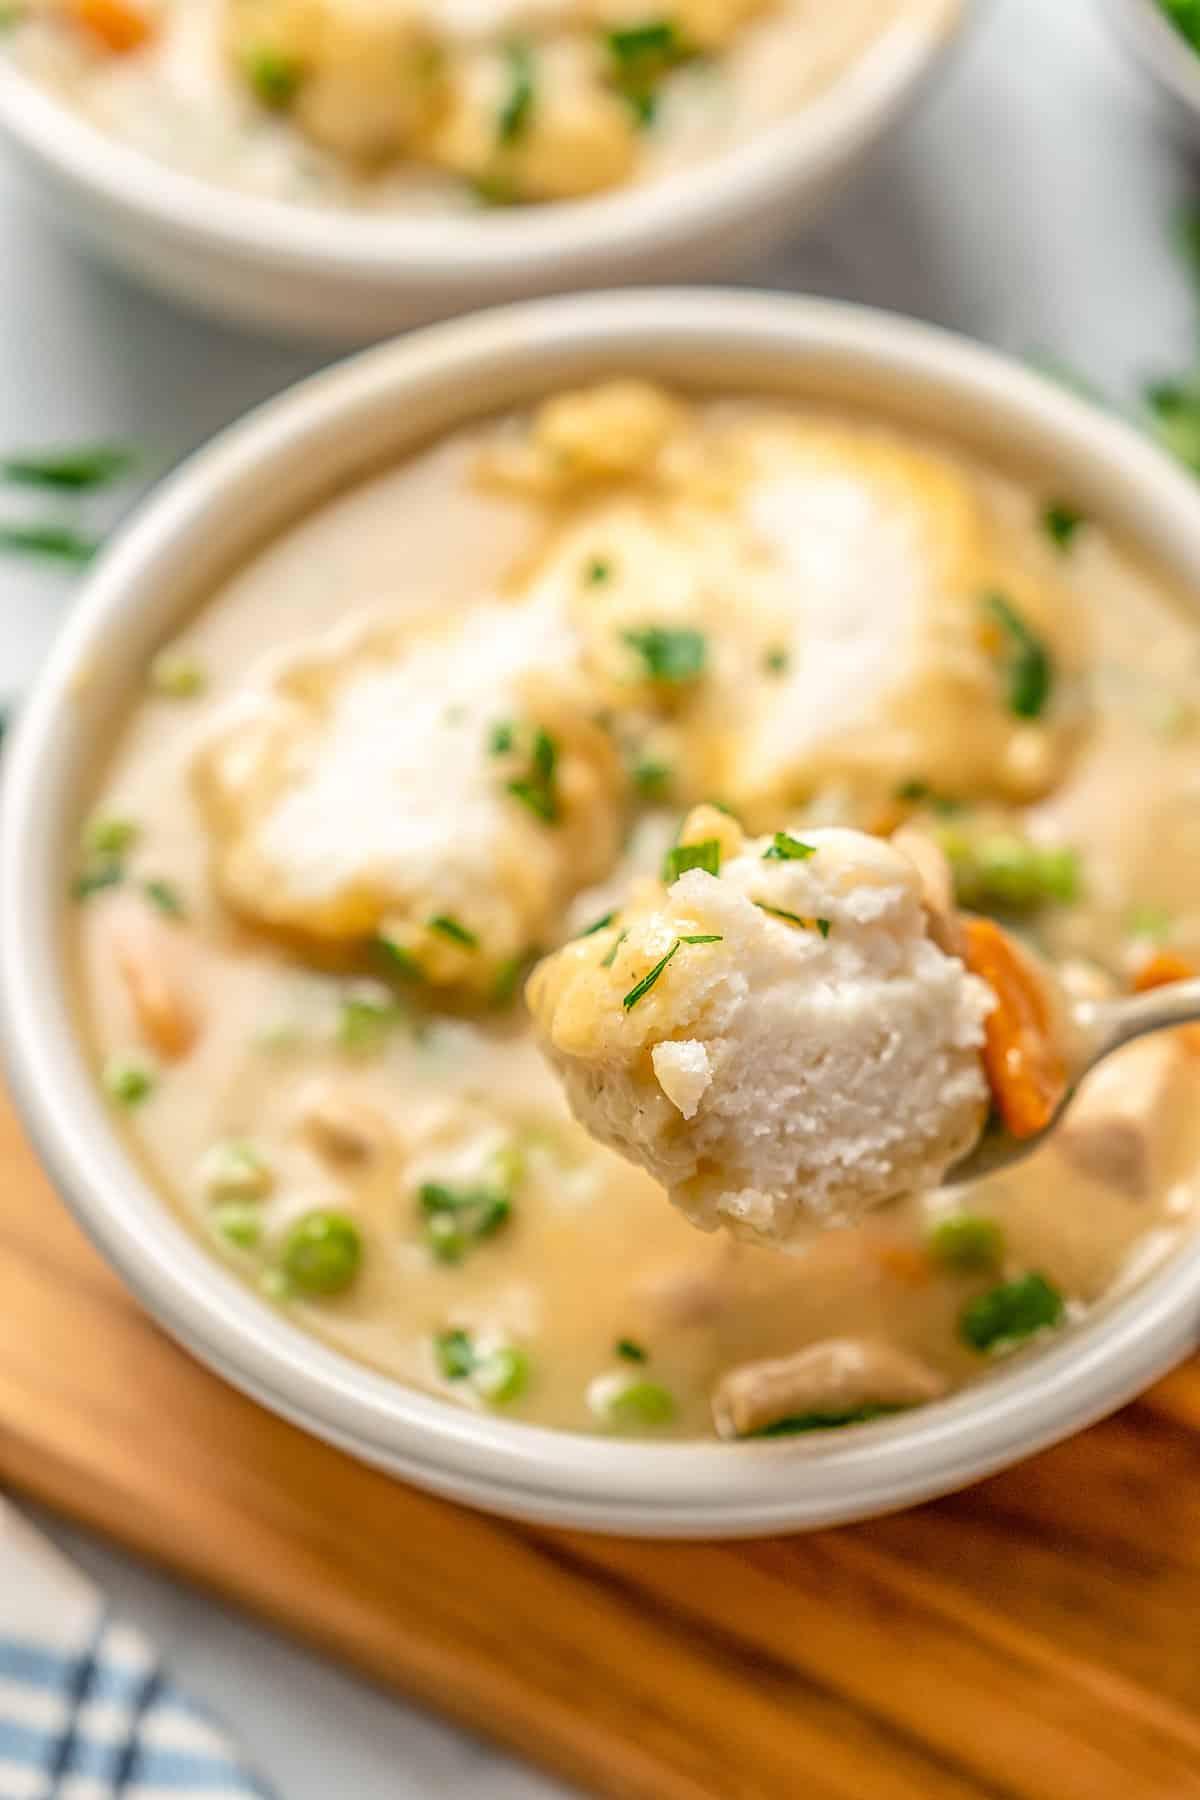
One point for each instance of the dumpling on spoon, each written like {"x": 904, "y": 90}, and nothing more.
{"x": 780, "y": 1030}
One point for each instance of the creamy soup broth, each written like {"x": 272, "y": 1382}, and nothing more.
{"x": 592, "y": 1255}
{"x": 181, "y": 100}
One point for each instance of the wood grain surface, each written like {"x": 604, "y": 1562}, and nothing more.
{"x": 1032, "y": 1639}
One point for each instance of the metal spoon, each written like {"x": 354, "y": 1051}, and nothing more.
{"x": 1095, "y": 1028}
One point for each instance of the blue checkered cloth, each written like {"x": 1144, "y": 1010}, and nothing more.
{"x": 86, "y": 1710}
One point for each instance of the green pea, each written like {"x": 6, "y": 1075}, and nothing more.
{"x": 322, "y": 1253}
{"x": 128, "y": 1080}
{"x": 176, "y": 676}
{"x": 1006, "y": 1314}
{"x": 501, "y": 1376}
{"x": 631, "y": 1402}
{"x": 109, "y": 836}
{"x": 965, "y": 1241}
{"x": 239, "y": 1223}
{"x": 275, "y": 78}
{"x": 236, "y": 1171}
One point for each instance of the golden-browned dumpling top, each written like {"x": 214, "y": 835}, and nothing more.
{"x": 823, "y": 613}
{"x": 772, "y": 1031}
{"x": 526, "y": 99}
{"x": 447, "y": 793}
{"x": 361, "y": 77}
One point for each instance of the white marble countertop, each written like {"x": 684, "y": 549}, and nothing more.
{"x": 1028, "y": 203}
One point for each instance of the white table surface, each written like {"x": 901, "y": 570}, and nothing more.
{"x": 1029, "y": 203}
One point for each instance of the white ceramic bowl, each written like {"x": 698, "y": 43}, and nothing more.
{"x": 349, "y": 277}
{"x": 247, "y": 485}
{"x": 1164, "y": 56}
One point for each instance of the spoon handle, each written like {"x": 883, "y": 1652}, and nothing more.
{"x": 1111, "y": 1023}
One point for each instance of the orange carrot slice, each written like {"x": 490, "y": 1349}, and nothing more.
{"x": 1160, "y": 970}
{"x": 1022, "y": 1062}
{"x": 119, "y": 25}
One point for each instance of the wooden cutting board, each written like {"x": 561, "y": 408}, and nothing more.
{"x": 1033, "y": 1639}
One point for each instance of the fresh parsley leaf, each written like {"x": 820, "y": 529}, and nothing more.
{"x": 57, "y": 541}
{"x": 642, "y": 988}
{"x": 85, "y": 466}
{"x": 631, "y": 1352}
{"x": 681, "y": 857}
{"x": 597, "y": 925}
{"x": 1060, "y": 522}
{"x": 517, "y": 111}
{"x": 165, "y": 897}
{"x": 1029, "y": 669}
{"x": 669, "y": 655}
{"x": 537, "y": 789}
{"x": 611, "y": 958}
{"x": 455, "y": 930}
{"x": 784, "y": 848}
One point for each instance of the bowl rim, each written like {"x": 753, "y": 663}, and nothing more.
{"x": 690, "y": 1488}
{"x": 546, "y": 242}
{"x": 1160, "y": 49}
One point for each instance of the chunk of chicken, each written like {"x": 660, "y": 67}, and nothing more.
{"x": 773, "y": 1035}
{"x": 363, "y": 78}
{"x": 534, "y": 122}
{"x": 830, "y": 1380}
{"x": 1123, "y": 1127}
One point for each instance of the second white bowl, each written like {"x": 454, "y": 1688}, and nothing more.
{"x": 349, "y": 277}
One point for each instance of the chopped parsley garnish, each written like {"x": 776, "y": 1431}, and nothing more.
{"x": 455, "y": 1354}
{"x": 830, "y": 1421}
{"x": 597, "y": 571}
{"x": 1060, "y": 522}
{"x": 611, "y": 958}
{"x": 776, "y": 660}
{"x": 1185, "y": 17}
{"x": 643, "y": 987}
{"x": 657, "y": 39}
{"x": 497, "y": 1375}
{"x": 95, "y": 878}
{"x": 517, "y": 111}
{"x": 631, "y": 1352}
{"x": 537, "y": 788}
{"x": 1028, "y": 668}
{"x": 453, "y": 929}
{"x": 502, "y": 738}
{"x": 597, "y": 925}
{"x": 457, "y": 1218}
{"x": 1016, "y": 1309}
{"x": 395, "y": 958}
{"x": 651, "y": 778}
{"x": 1175, "y": 418}
{"x": 507, "y": 978}
{"x": 784, "y": 848}
{"x": 669, "y": 655}
{"x": 57, "y": 541}
{"x": 161, "y": 894}
{"x": 824, "y": 926}
{"x": 88, "y": 466}
{"x": 681, "y": 857}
